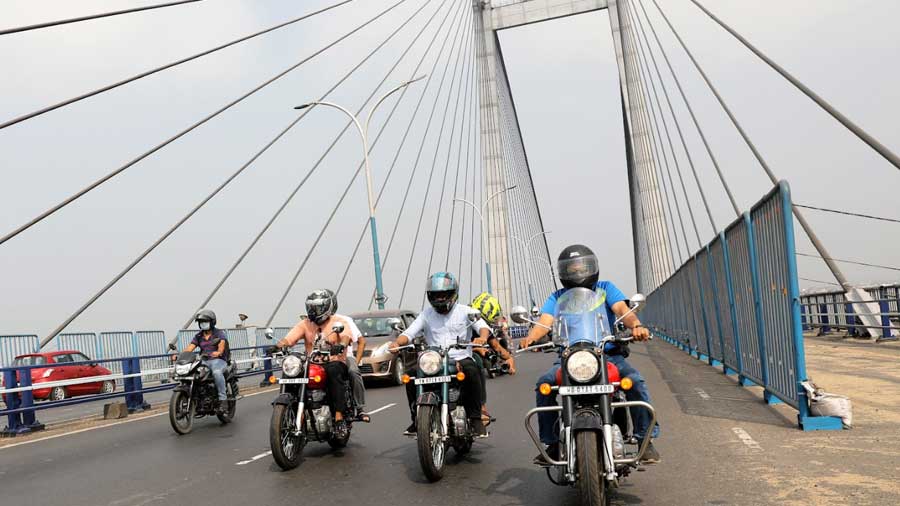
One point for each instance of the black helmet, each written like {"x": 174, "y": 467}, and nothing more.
{"x": 206, "y": 315}
{"x": 320, "y": 305}
{"x": 442, "y": 290}
{"x": 334, "y": 298}
{"x": 577, "y": 266}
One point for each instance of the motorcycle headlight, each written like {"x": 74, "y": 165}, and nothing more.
{"x": 582, "y": 366}
{"x": 182, "y": 369}
{"x": 291, "y": 366}
{"x": 430, "y": 363}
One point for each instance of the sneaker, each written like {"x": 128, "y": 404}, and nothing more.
{"x": 552, "y": 451}
{"x": 651, "y": 456}
{"x": 476, "y": 428}
{"x": 411, "y": 430}
{"x": 341, "y": 431}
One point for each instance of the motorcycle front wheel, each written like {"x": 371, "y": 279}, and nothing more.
{"x": 230, "y": 405}
{"x": 181, "y": 414}
{"x": 286, "y": 446}
{"x": 430, "y": 442}
{"x": 591, "y": 483}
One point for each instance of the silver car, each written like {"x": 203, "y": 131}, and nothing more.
{"x": 380, "y": 328}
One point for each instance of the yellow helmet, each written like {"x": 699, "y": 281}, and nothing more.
{"x": 488, "y": 305}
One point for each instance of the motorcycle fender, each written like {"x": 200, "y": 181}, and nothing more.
{"x": 284, "y": 399}
{"x": 184, "y": 387}
{"x": 428, "y": 399}
{"x": 587, "y": 421}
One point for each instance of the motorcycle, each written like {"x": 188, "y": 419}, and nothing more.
{"x": 441, "y": 421}
{"x": 593, "y": 455}
{"x": 301, "y": 413}
{"x": 195, "y": 394}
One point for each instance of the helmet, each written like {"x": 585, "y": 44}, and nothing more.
{"x": 488, "y": 305}
{"x": 334, "y": 297}
{"x": 577, "y": 266}
{"x": 442, "y": 290}
{"x": 320, "y": 305}
{"x": 206, "y": 315}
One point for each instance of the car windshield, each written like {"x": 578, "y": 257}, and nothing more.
{"x": 375, "y": 326}
{"x": 32, "y": 360}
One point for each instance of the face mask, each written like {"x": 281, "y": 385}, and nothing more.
{"x": 205, "y": 326}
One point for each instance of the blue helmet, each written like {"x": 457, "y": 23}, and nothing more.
{"x": 442, "y": 290}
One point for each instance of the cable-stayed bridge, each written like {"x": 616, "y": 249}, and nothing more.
{"x": 387, "y": 145}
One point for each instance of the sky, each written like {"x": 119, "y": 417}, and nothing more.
{"x": 565, "y": 85}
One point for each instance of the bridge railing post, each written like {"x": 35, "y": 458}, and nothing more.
{"x": 823, "y": 319}
{"x": 13, "y": 420}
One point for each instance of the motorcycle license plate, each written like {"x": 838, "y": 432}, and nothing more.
{"x": 435, "y": 379}
{"x": 292, "y": 381}
{"x": 586, "y": 389}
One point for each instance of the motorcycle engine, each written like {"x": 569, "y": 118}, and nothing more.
{"x": 458, "y": 417}
{"x": 322, "y": 418}
{"x": 618, "y": 443}
{"x": 454, "y": 395}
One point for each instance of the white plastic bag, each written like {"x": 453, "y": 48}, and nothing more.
{"x": 822, "y": 403}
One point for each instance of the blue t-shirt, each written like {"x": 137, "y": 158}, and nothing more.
{"x": 613, "y": 295}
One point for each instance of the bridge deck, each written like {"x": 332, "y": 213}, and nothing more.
{"x": 720, "y": 445}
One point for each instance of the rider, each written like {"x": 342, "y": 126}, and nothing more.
{"x": 489, "y": 307}
{"x": 321, "y": 318}
{"x": 212, "y": 343}
{"x": 355, "y": 353}
{"x": 445, "y": 323}
{"x": 578, "y": 267}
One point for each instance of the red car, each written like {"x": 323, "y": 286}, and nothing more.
{"x": 55, "y": 369}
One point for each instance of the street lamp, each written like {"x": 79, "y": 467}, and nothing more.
{"x": 480, "y": 212}
{"x": 526, "y": 247}
{"x": 364, "y": 134}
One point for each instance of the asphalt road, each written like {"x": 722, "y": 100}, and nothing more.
{"x": 720, "y": 445}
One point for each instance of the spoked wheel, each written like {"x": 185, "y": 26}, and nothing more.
{"x": 181, "y": 414}
{"x": 230, "y": 404}
{"x": 286, "y": 445}
{"x": 591, "y": 483}
{"x": 430, "y": 442}
{"x": 57, "y": 394}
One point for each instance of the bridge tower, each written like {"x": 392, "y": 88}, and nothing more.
{"x": 651, "y": 248}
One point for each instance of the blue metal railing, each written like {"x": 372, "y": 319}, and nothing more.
{"x": 736, "y": 304}
{"x": 824, "y": 311}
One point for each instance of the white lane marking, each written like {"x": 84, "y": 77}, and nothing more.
{"x": 88, "y": 429}
{"x": 746, "y": 438}
{"x": 254, "y": 458}
{"x": 703, "y": 395}
{"x": 382, "y": 408}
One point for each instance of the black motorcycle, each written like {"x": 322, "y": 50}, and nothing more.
{"x": 301, "y": 413}
{"x": 494, "y": 364}
{"x": 195, "y": 394}
{"x": 593, "y": 455}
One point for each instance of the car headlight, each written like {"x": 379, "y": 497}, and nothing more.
{"x": 430, "y": 363}
{"x": 291, "y": 366}
{"x": 582, "y": 366}
{"x": 182, "y": 369}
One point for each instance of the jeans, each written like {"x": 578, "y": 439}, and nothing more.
{"x": 356, "y": 383}
{"x": 640, "y": 417}
{"x": 469, "y": 390}
{"x": 217, "y": 366}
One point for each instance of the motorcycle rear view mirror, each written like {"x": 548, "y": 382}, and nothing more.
{"x": 638, "y": 301}
{"x": 172, "y": 347}
{"x": 338, "y": 328}
{"x": 270, "y": 333}
{"x": 396, "y": 324}
{"x": 535, "y": 311}
{"x": 520, "y": 315}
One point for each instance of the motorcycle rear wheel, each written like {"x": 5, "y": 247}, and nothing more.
{"x": 430, "y": 442}
{"x": 591, "y": 484}
{"x": 286, "y": 447}
{"x": 181, "y": 414}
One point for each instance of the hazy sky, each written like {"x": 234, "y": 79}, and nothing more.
{"x": 565, "y": 85}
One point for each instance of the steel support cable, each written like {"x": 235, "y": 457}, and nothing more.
{"x": 693, "y": 116}
{"x": 465, "y": 122}
{"x": 424, "y": 137}
{"x": 462, "y": 44}
{"x": 864, "y": 136}
{"x": 169, "y": 232}
{"x": 848, "y": 213}
{"x": 662, "y": 118}
{"x": 180, "y": 134}
{"x": 7, "y": 31}
{"x": 167, "y": 66}
{"x": 477, "y": 179}
{"x": 469, "y": 147}
{"x": 638, "y": 134}
{"x": 853, "y": 262}
{"x": 402, "y": 144}
{"x": 833, "y": 267}
{"x": 334, "y": 142}
{"x": 652, "y": 148}
{"x": 513, "y": 221}
{"x": 687, "y": 198}
{"x": 463, "y": 83}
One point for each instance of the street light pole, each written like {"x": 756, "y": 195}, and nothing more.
{"x": 480, "y": 212}
{"x": 364, "y": 135}
{"x": 526, "y": 247}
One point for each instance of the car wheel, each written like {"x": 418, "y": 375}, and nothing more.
{"x": 398, "y": 371}
{"x": 57, "y": 394}
{"x": 108, "y": 387}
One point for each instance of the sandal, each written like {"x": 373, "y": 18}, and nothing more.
{"x": 486, "y": 418}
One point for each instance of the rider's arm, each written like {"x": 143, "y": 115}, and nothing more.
{"x": 190, "y": 347}
{"x": 220, "y": 350}
{"x": 638, "y": 331}
{"x": 538, "y": 331}
{"x": 360, "y": 348}
{"x": 417, "y": 326}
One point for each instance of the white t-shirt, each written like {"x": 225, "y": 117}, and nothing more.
{"x": 355, "y": 334}
{"x": 444, "y": 329}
